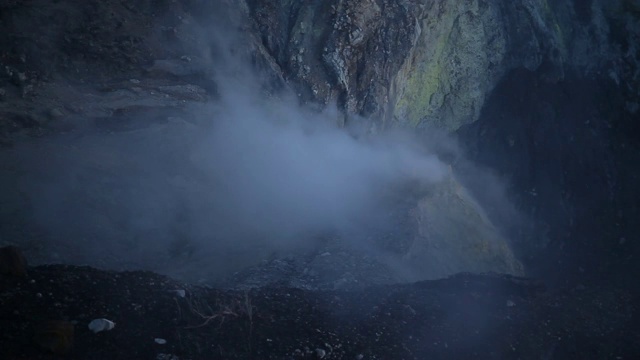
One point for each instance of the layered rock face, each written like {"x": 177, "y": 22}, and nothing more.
{"x": 397, "y": 63}
{"x": 433, "y": 63}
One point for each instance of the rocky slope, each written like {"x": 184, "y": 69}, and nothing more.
{"x": 45, "y": 315}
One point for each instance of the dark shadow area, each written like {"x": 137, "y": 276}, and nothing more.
{"x": 569, "y": 150}
{"x": 462, "y": 317}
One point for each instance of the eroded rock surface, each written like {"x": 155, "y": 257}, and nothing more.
{"x": 433, "y": 63}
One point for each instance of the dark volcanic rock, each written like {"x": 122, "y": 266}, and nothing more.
{"x": 465, "y": 316}
{"x": 569, "y": 150}
{"x": 75, "y": 55}
{"x": 433, "y": 63}
{"x": 347, "y": 51}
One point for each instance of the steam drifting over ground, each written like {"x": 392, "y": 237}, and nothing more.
{"x": 227, "y": 183}
{"x": 244, "y": 171}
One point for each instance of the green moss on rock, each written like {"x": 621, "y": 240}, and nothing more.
{"x": 423, "y": 83}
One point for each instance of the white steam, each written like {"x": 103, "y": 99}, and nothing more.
{"x": 247, "y": 171}
{"x": 281, "y": 170}
{"x": 244, "y": 172}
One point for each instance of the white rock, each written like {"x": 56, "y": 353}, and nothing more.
{"x": 98, "y": 325}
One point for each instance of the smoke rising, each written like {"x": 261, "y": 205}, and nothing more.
{"x": 285, "y": 170}
{"x": 244, "y": 172}
{"x": 214, "y": 187}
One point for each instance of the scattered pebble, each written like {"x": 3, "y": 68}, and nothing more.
{"x": 160, "y": 341}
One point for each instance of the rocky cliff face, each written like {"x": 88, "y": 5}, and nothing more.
{"x": 396, "y": 62}
{"x": 433, "y": 63}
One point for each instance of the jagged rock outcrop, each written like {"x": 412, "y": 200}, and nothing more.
{"x": 433, "y": 63}
{"x": 339, "y": 50}
{"x": 398, "y": 62}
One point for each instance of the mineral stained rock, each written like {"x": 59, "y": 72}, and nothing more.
{"x": 433, "y": 62}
